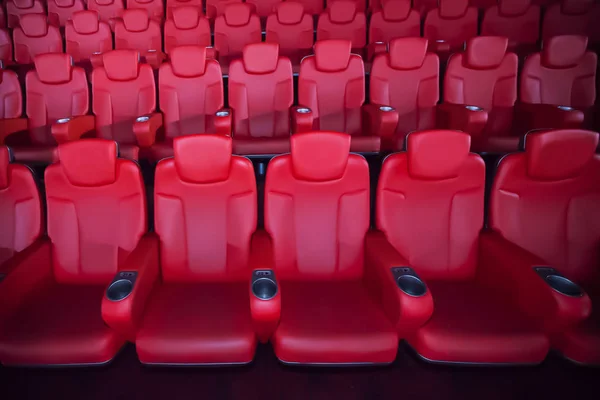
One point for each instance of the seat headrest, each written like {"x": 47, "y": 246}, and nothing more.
{"x": 188, "y": 61}
{"x": 238, "y": 14}
{"x": 89, "y": 162}
{"x": 513, "y": 8}
{"x": 142, "y": 1}
{"x": 320, "y": 156}
{"x": 186, "y": 17}
{"x": 261, "y": 58}
{"x": 332, "y": 55}
{"x": 576, "y": 7}
{"x": 452, "y": 9}
{"x": 396, "y": 10}
{"x": 53, "y": 67}
{"x": 437, "y": 154}
{"x": 136, "y": 19}
{"x": 289, "y": 12}
{"x": 202, "y": 158}
{"x": 407, "y": 53}
{"x": 485, "y": 52}
{"x": 65, "y": 3}
{"x": 86, "y": 22}
{"x": 34, "y": 25}
{"x": 342, "y": 11}
{"x": 121, "y": 65}
{"x": 563, "y": 51}
{"x": 559, "y": 154}
{"x": 104, "y": 2}
{"x": 4, "y": 161}
{"x": 23, "y": 4}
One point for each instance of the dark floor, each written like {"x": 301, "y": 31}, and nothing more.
{"x": 267, "y": 379}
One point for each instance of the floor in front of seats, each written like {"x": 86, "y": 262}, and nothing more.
{"x": 266, "y": 379}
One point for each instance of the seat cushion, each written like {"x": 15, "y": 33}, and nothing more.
{"x": 261, "y": 146}
{"x": 59, "y": 324}
{"x": 332, "y": 323}
{"x": 197, "y": 324}
{"x": 472, "y": 324}
{"x": 582, "y": 344}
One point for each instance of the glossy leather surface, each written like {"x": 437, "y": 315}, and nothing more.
{"x": 186, "y": 26}
{"x": 60, "y": 11}
{"x": 237, "y": 27}
{"x": 85, "y": 35}
{"x": 34, "y": 36}
{"x": 154, "y": 8}
{"x": 395, "y": 19}
{"x": 11, "y": 104}
{"x": 292, "y": 28}
{"x": 343, "y": 20}
{"x": 16, "y": 9}
{"x": 517, "y": 20}
{"x": 137, "y": 32}
{"x": 108, "y": 10}
{"x": 453, "y": 22}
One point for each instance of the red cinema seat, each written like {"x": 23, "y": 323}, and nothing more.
{"x": 517, "y": 20}
{"x": 34, "y": 36}
{"x": 449, "y": 26}
{"x": 342, "y": 20}
{"x": 215, "y": 8}
{"x": 407, "y": 79}
{"x": 20, "y": 211}
{"x": 261, "y": 92}
{"x": 430, "y": 206}
{"x": 173, "y": 4}
{"x": 138, "y": 32}
{"x": 264, "y": 8}
{"x": 51, "y": 312}
{"x": 86, "y": 36}
{"x": 312, "y": 7}
{"x": 395, "y": 19}
{"x": 570, "y": 17}
{"x": 236, "y": 28}
{"x": 60, "y": 11}
{"x": 205, "y": 216}
{"x": 190, "y": 90}
{"x": 480, "y": 91}
{"x": 544, "y": 201}
{"x": 187, "y": 26}
{"x": 423, "y": 6}
{"x": 11, "y": 104}
{"x": 6, "y": 47}
{"x": 124, "y": 101}
{"x": 2, "y": 18}
{"x": 15, "y": 9}
{"x": 154, "y": 8}
{"x": 558, "y": 85}
{"x": 331, "y": 95}
{"x": 329, "y": 312}
{"x": 108, "y": 10}
{"x": 292, "y": 29}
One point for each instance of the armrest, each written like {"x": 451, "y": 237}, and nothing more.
{"x": 265, "y": 293}
{"x": 212, "y": 53}
{"x": 407, "y": 312}
{"x": 96, "y": 60}
{"x": 506, "y": 266}
{"x": 223, "y": 121}
{"x": 439, "y": 46}
{"x": 124, "y": 309}
{"x": 302, "y": 119}
{"x": 11, "y": 125}
{"x": 69, "y": 129}
{"x": 145, "y": 127}
{"x": 154, "y": 58}
{"x": 374, "y": 49}
{"x": 548, "y": 116}
{"x": 381, "y": 120}
{"x": 469, "y": 119}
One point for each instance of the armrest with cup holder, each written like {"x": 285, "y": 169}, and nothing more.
{"x": 302, "y": 119}
{"x": 556, "y": 281}
{"x": 409, "y": 282}
{"x": 121, "y": 286}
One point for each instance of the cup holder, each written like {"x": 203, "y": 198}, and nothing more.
{"x": 565, "y": 108}
{"x": 303, "y": 110}
{"x": 63, "y": 120}
{"x": 119, "y": 290}
{"x": 411, "y": 285}
{"x": 473, "y": 108}
{"x": 222, "y": 113}
{"x": 264, "y": 288}
{"x": 143, "y": 118}
{"x": 386, "y": 108}
{"x": 564, "y": 285}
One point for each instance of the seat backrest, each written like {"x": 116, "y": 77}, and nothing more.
{"x": 108, "y": 10}
{"x": 55, "y": 90}
{"x": 332, "y": 85}
{"x": 546, "y": 200}
{"x": 290, "y": 27}
{"x": 564, "y": 73}
{"x": 569, "y": 17}
{"x": 236, "y": 28}
{"x": 6, "y": 47}
{"x": 423, "y": 6}
{"x": 137, "y": 32}
{"x": 11, "y": 97}
{"x": 261, "y": 92}
{"x": 122, "y": 90}
{"x": 20, "y": 207}
{"x": 205, "y": 211}
{"x": 395, "y": 19}
{"x": 187, "y": 26}
{"x": 190, "y": 91}
{"x": 2, "y": 18}
{"x": 60, "y": 11}
{"x": 342, "y": 20}
{"x": 430, "y": 203}
{"x": 173, "y": 4}
{"x": 17, "y": 8}
{"x": 312, "y": 7}
{"x": 264, "y": 7}
{"x": 85, "y": 35}
{"x": 154, "y": 8}
{"x": 34, "y": 36}
{"x": 485, "y": 75}
{"x": 96, "y": 211}
{"x": 317, "y": 208}
{"x": 517, "y": 20}
{"x": 407, "y": 78}
{"x": 215, "y": 8}
{"x": 453, "y": 21}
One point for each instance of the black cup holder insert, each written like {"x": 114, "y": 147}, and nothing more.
{"x": 264, "y": 284}
{"x": 121, "y": 286}
{"x": 409, "y": 282}
{"x": 559, "y": 283}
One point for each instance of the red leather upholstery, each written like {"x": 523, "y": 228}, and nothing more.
{"x": 517, "y": 20}
{"x": 453, "y": 22}
{"x": 17, "y": 8}
{"x": 264, "y": 7}
{"x": 186, "y": 26}
{"x": 20, "y": 208}
{"x": 2, "y": 18}
{"x": 6, "y": 47}
{"x": 108, "y": 10}
{"x": 570, "y": 17}
{"x": 236, "y": 28}
{"x": 312, "y": 7}
{"x": 327, "y": 315}
{"x": 137, "y": 32}
{"x": 11, "y": 97}
{"x": 292, "y": 28}
{"x": 343, "y": 20}
{"x": 544, "y": 200}
{"x": 215, "y": 8}
{"x": 173, "y": 4}
{"x": 261, "y": 92}
{"x": 154, "y": 8}
{"x": 85, "y": 35}
{"x": 34, "y": 36}
{"x": 57, "y": 320}
{"x": 395, "y": 19}
{"x": 407, "y": 78}
{"x": 60, "y": 11}
{"x": 206, "y": 194}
